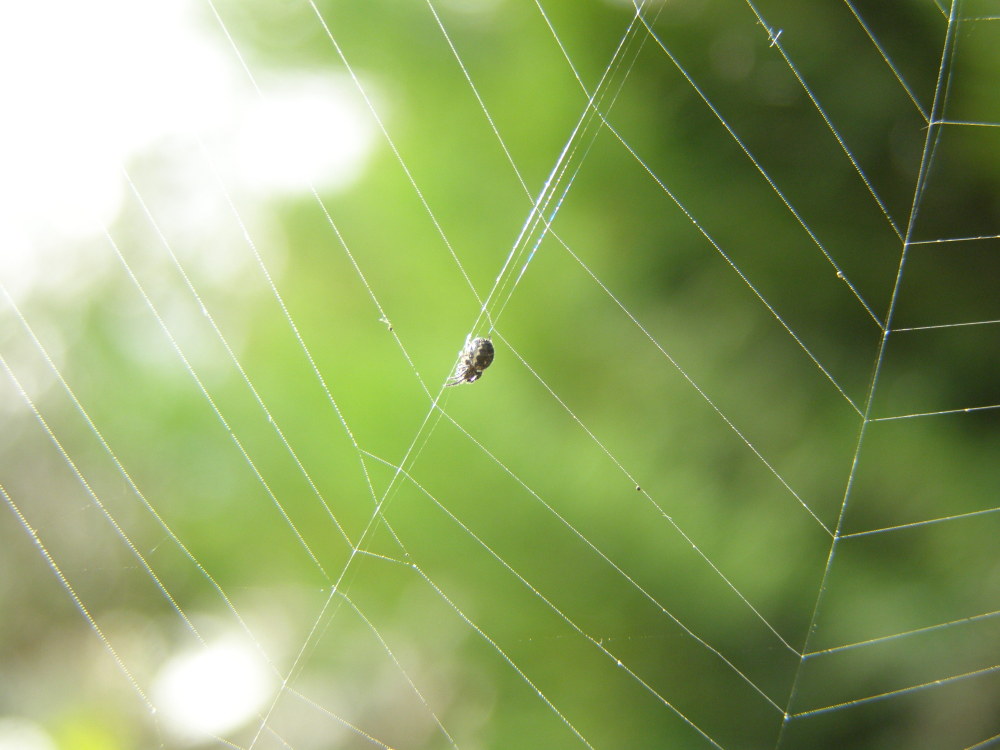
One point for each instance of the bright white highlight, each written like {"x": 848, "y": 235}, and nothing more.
{"x": 212, "y": 691}
{"x": 93, "y": 88}
{"x": 20, "y": 734}
{"x": 83, "y": 92}
{"x": 305, "y": 132}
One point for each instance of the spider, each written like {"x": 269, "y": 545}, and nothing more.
{"x": 472, "y": 360}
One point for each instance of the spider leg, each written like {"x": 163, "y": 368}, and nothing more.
{"x": 458, "y": 378}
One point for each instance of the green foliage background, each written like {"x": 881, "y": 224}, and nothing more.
{"x": 744, "y": 448}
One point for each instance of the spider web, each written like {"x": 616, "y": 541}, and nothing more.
{"x": 730, "y": 482}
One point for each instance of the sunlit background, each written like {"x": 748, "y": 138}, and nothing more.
{"x": 701, "y": 499}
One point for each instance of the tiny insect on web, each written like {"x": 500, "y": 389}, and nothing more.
{"x": 476, "y": 356}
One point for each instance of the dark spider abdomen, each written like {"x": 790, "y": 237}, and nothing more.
{"x": 473, "y": 359}
{"x": 481, "y": 354}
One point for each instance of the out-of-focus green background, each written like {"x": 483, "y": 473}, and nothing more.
{"x": 236, "y": 272}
